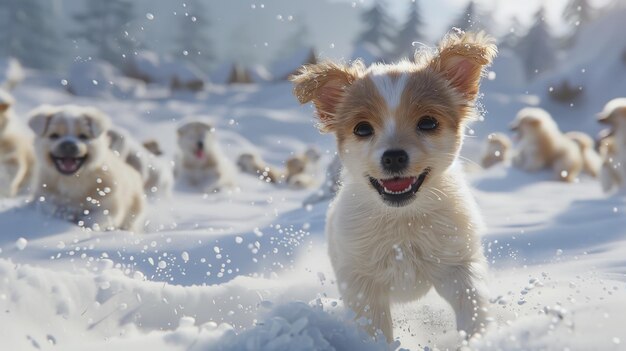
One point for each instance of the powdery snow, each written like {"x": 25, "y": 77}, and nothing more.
{"x": 247, "y": 269}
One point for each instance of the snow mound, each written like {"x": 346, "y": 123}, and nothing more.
{"x": 165, "y": 70}
{"x": 11, "y": 73}
{"x": 283, "y": 68}
{"x": 298, "y": 326}
{"x": 101, "y": 79}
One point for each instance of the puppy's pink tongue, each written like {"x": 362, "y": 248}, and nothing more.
{"x": 397, "y": 184}
{"x": 199, "y": 153}
{"x": 68, "y": 164}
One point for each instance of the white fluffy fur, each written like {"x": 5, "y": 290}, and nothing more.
{"x": 211, "y": 172}
{"x": 16, "y": 151}
{"x": 383, "y": 254}
{"x": 613, "y": 147}
{"x": 105, "y": 193}
{"x": 542, "y": 145}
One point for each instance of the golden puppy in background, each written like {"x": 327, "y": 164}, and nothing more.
{"x": 404, "y": 220}
{"x": 153, "y": 146}
{"x": 252, "y": 164}
{"x": 200, "y": 161}
{"x": 300, "y": 169}
{"x": 497, "y": 150}
{"x": 17, "y": 160}
{"x": 591, "y": 159}
{"x": 613, "y": 145}
{"x": 79, "y": 177}
{"x": 542, "y": 145}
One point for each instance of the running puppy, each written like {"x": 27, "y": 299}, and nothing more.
{"x": 542, "y": 145}
{"x": 497, "y": 150}
{"x": 613, "y": 144}
{"x": 79, "y": 177}
{"x": 200, "y": 161}
{"x": 17, "y": 160}
{"x": 254, "y": 165}
{"x": 404, "y": 220}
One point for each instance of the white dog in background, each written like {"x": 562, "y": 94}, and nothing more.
{"x": 17, "y": 160}
{"x": 613, "y": 145}
{"x": 157, "y": 173}
{"x": 79, "y": 177}
{"x": 201, "y": 162}
{"x": 542, "y": 145}
{"x": 404, "y": 220}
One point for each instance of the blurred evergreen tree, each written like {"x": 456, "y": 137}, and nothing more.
{"x": 28, "y": 32}
{"x": 193, "y": 42}
{"x": 105, "y": 24}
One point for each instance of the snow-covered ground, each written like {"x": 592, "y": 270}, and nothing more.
{"x": 225, "y": 271}
{"x": 247, "y": 269}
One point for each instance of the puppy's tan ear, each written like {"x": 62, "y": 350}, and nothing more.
{"x": 325, "y": 84}
{"x": 98, "y": 122}
{"x": 4, "y": 106}
{"x": 461, "y": 58}
{"x": 40, "y": 118}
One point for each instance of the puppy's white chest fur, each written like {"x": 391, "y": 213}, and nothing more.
{"x": 406, "y": 250}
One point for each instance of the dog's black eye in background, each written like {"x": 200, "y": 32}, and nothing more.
{"x": 363, "y": 129}
{"x": 54, "y": 136}
{"x": 83, "y": 137}
{"x": 427, "y": 123}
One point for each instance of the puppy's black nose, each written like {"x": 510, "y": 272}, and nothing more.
{"x": 200, "y": 145}
{"x": 395, "y": 160}
{"x": 68, "y": 148}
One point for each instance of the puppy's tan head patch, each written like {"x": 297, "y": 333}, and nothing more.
{"x": 397, "y": 124}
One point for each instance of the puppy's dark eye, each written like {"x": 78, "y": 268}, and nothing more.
{"x": 54, "y": 136}
{"x": 427, "y": 123}
{"x": 363, "y": 129}
{"x": 83, "y": 136}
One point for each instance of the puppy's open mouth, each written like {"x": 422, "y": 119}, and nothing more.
{"x": 68, "y": 165}
{"x": 399, "y": 191}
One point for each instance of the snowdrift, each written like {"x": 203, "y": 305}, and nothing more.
{"x": 164, "y": 70}
{"x": 101, "y": 79}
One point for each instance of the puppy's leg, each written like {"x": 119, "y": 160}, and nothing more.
{"x": 370, "y": 301}
{"x": 17, "y": 172}
{"x": 463, "y": 288}
{"x": 567, "y": 168}
{"x": 608, "y": 177}
{"x": 134, "y": 216}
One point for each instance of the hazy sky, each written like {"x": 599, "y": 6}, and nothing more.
{"x": 253, "y": 31}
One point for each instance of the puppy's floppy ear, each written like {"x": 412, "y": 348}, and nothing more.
{"x": 4, "y": 106}
{"x": 325, "y": 84}
{"x": 40, "y": 118}
{"x": 98, "y": 122}
{"x": 461, "y": 58}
